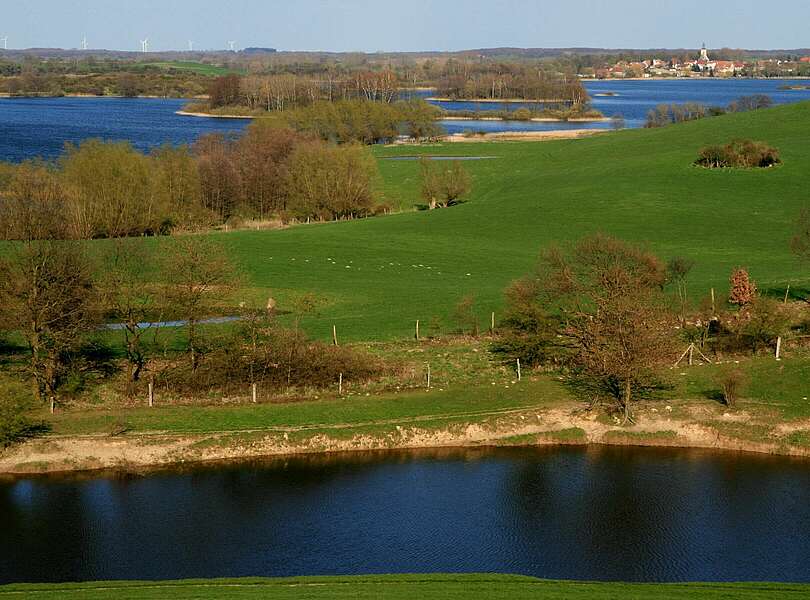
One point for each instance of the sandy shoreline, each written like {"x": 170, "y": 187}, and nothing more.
{"x": 525, "y": 136}
{"x": 184, "y": 113}
{"x": 570, "y": 425}
{"x": 497, "y": 101}
{"x": 533, "y": 119}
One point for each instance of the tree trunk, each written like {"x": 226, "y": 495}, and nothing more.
{"x": 628, "y": 417}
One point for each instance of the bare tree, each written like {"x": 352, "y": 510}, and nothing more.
{"x": 678, "y": 270}
{"x": 46, "y": 289}
{"x": 612, "y": 326}
{"x": 46, "y": 293}
{"x": 198, "y": 275}
{"x": 127, "y": 294}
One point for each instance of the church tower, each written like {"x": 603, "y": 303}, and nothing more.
{"x": 704, "y": 54}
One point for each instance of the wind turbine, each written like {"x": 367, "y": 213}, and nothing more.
{"x": 232, "y": 46}
{"x": 190, "y": 46}
{"x": 84, "y": 43}
{"x": 5, "y": 42}
{"x": 145, "y": 45}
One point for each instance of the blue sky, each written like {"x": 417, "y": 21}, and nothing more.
{"x": 402, "y": 25}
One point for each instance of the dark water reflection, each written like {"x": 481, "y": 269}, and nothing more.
{"x": 606, "y": 514}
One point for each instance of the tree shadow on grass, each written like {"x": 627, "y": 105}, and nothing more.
{"x": 800, "y": 293}
{"x": 18, "y": 429}
{"x": 715, "y": 395}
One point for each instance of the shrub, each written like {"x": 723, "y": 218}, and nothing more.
{"x": 465, "y": 317}
{"x": 732, "y": 382}
{"x": 263, "y": 352}
{"x": 754, "y": 102}
{"x": 743, "y": 154}
{"x": 521, "y": 114}
{"x": 445, "y": 184}
{"x": 759, "y": 324}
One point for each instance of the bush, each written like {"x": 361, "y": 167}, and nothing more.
{"x": 444, "y": 184}
{"x": 746, "y": 103}
{"x": 521, "y": 114}
{"x": 732, "y": 381}
{"x": 274, "y": 357}
{"x": 742, "y": 154}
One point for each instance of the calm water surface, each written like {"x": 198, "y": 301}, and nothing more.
{"x": 40, "y": 127}
{"x": 31, "y": 127}
{"x": 607, "y": 514}
{"x": 634, "y": 99}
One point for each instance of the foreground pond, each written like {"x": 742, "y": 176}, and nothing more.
{"x": 602, "y": 514}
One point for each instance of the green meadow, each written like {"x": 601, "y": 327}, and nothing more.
{"x": 192, "y": 66}
{"x": 377, "y": 276}
{"x": 396, "y": 587}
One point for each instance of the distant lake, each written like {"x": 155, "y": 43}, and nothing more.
{"x": 633, "y": 100}
{"x": 31, "y": 127}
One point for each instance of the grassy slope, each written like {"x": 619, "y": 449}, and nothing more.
{"x": 442, "y": 587}
{"x": 638, "y": 185}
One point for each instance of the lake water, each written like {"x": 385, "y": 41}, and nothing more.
{"x": 634, "y": 99}
{"x": 31, "y": 127}
{"x": 595, "y": 514}
{"x": 40, "y": 127}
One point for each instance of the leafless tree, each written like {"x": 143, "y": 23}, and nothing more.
{"x": 198, "y": 277}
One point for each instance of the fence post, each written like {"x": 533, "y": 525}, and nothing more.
{"x": 334, "y": 335}
{"x": 253, "y": 391}
{"x": 492, "y": 322}
{"x": 417, "y": 330}
{"x": 53, "y": 405}
{"x": 428, "y": 376}
{"x": 151, "y": 394}
{"x": 787, "y": 293}
{"x": 714, "y": 310}
{"x": 340, "y": 384}
{"x": 779, "y": 348}
{"x": 518, "y": 369}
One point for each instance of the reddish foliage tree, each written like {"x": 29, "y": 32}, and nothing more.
{"x": 743, "y": 289}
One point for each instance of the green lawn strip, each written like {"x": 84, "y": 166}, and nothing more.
{"x": 470, "y": 403}
{"x": 395, "y": 587}
{"x": 777, "y": 388}
{"x": 194, "y": 67}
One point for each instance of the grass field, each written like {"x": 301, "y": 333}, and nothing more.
{"x": 395, "y": 587}
{"x": 194, "y": 67}
{"x": 379, "y": 275}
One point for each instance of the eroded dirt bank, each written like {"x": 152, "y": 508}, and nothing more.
{"x": 569, "y": 426}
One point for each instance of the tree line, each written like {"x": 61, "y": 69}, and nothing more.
{"x": 109, "y": 189}
{"x": 504, "y": 81}
{"x": 288, "y": 91}
{"x": 668, "y": 114}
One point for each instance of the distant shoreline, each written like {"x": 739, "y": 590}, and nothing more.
{"x": 533, "y": 119}
{"x": 185, "y": 113}
{"x": 498, "y": 101}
